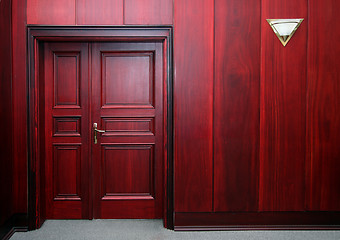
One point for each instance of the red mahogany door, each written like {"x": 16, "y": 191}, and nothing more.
{"x": 119, "y": 87}
{"x": 127, "y": 93}
{"x": 67, "y": 131}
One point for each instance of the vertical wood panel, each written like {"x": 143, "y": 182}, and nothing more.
{"x": 193, "y": 100}
{"x": 66, "y": 172}
{"x": 51, "y": 12}
{"x": 323, "y": 107}
{"x": 99, "y": 12}
{"x": 148, "y": 12}
{"x": 6, "y": 157}
{"x": 283, "y": 110}
{"x": 66, "y": 79}
{"x": 236, "y": 104}
{"x": 19, "y": 109}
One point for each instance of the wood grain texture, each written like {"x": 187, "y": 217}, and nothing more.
{"x": 128, "y": 79}
{"x": 66, "y": 77}
{"x": 66, "y": 172}
{"x": 128, "y": 168}
{"x": 151, "y": 38}
{"x": 127, "y": 172}
{"x": 323, "y": 108}
{"x": 257, "y": 220}
{"x": 99, "y": 12}
{"x": 283, "y": 110}
{"x": 19, "y": 93}
{"x": 51, "y": 12}
{"x": 193, "y": 104}
{"x": 6, "y": 144}
{"x": 148, "y": 12}
{"x": 131, "y": 126}
{"x": 66, "y": 156}
{"x": 236, "y": 105}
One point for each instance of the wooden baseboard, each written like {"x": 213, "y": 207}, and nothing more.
{"x": 16, "y": 223}
{"x": 257, "y": 221}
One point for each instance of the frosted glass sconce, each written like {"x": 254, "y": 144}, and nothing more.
{"x": 284, "y": 28}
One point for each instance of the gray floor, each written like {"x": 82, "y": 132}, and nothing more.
{"x": 153, "y": 230}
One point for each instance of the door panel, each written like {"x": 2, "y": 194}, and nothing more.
{"x": 127, "y": 172}
{"x": 127, "y": 102}
{"x": 121, "y": 89}
{"x": 66, "y": 130}
{"x": 127, "y": 79}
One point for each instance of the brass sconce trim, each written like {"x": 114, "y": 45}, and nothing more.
{"x": 285, "y": 28}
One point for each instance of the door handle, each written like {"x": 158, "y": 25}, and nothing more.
{"x": 95, "y": 131}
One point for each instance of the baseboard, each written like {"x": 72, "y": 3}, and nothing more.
{"x": 257, "y": 221}
{"x": 16, "y": 223}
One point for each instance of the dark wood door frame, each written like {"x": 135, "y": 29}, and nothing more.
{"x": 37, "y": 35}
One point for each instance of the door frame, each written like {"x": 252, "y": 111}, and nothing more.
{"x": 37, "y": 35}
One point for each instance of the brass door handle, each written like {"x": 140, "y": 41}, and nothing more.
{"x": 95, "y": 130}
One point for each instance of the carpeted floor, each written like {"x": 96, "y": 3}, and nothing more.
{"x": 153, "y": 230}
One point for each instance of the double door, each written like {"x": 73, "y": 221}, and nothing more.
{"x": 103, "y": 130}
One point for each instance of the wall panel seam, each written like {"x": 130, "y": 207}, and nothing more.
{"x": 213, "y": 109}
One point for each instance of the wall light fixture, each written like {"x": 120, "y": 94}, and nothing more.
{"x": 284, "y": 28}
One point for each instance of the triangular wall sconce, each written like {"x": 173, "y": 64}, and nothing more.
{"x": 284, "y": 28}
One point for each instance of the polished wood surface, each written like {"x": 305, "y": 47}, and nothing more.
{"x": 127, "y": 79}
{"x": 282, "y": 220}
{"x": 51, "y": 12}
{"x": 19, "y": 97}
{"x": 6, "y": 143}
{"x": 323, "y": 108}
{"x": 236, "y": 104}
{"x": 295, "y": 143}
{"x": 158, "y": 39}
{"x": 193, "y": 104}
{"x": 127, "y": 84}
{"x": 126, "y": 169}
{"x": 99, "y": 12}
{"x": 283, "y": 111}
{"x": 66, "y": 130}
{"x": 148, "y": 12}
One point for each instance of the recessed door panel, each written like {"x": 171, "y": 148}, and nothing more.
{"x": 66, "y": 126}
{"x": 66, "y": 172}
{"x": 127, "y": 172}
{"x": 128, "y": 126}
{"x": 127, "y": 79}
{"x": 66, "y": 79}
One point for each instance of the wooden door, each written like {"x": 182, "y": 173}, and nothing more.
{"x": 119, "y": 86}
{"x": 127, "y": 93}
{"x": 66, "y": 105}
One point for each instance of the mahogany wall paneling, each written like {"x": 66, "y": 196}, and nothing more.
{"x": 51, "y": 12}
{"x": 147, "y": 12}
{"x": 283, "y": 220}
{"x": 19, "y": 93}
{"x": 283, "y": 110}
{"x": 193, "y": 104}
{"x": 66, "y": 130}
{"x": 99, "y": 12}
{"x": 6, "y": 144}
{"x": 236, "y": 104}
{"x": 323, "y": 107}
